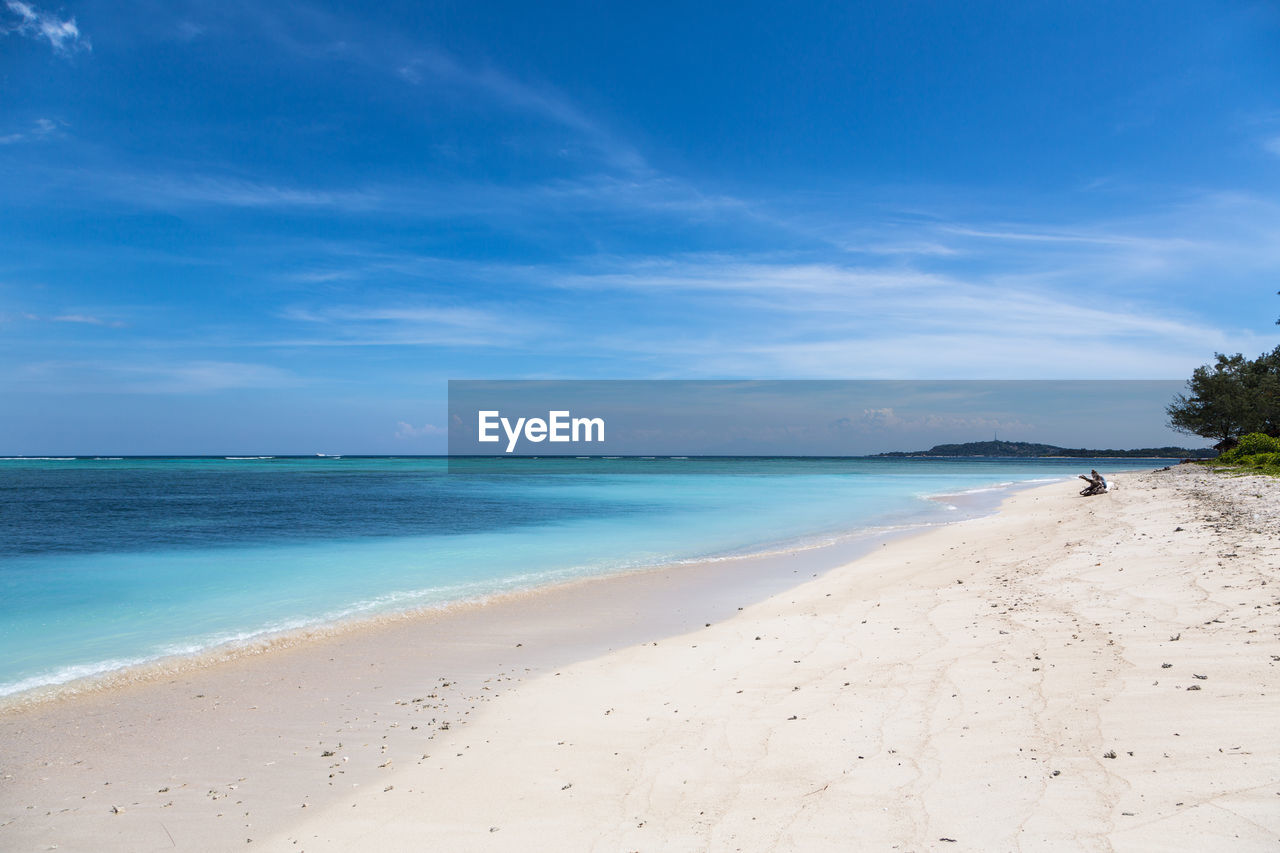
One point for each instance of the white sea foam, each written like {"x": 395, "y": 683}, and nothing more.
{"x": 1002, "y": 486}
{"x": 64, "y": 674}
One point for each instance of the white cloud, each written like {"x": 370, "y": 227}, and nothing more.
{"x": 40, "y": 129}
{"x": 1068, "y": 236}
{"x": 239, "y": 193}
{"x": 407, "y": 325}
{"x": 539, "y": 100}
{"x": 405, "y": 430}
{"x": 217, "y": 375}
{"x": 884, "y": 420}
{"x": 314, "y": 33}
{"x": 498, "y": 206}
{"x": 82, "y": 319}
{"x": 86, "y": 319}
{"x": 826, "y": 320}
{"x": 64, "y": 36}
{"x": 182, "y": 377}
{"x": 1076, "y": 300}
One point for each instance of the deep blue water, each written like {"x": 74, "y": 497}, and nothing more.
{"x": 110, "y": 562}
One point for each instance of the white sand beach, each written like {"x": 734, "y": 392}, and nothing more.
{"x": 1069, "y": 673}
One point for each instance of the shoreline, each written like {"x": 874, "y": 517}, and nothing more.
{"x": 237, "y": 751}
{"x": 140, "y": 726}
{"x": 269, "y": 641}
{"x": 829, "y": 549}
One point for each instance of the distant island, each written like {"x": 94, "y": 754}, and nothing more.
{"x": 1026, "y": 449}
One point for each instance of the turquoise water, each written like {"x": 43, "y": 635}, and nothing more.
{"x": 106, "y": 563}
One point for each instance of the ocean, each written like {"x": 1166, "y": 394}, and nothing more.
{"x": 107, "y": 563}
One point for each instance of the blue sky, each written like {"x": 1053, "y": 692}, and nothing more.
{"x": 277, "y": 227}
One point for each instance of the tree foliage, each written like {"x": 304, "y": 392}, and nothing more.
{"x": 1230, "y": 398}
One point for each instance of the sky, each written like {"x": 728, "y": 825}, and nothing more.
{"x": 276, "y": 227}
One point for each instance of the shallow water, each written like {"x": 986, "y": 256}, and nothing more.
{"x": 105, "y": 563}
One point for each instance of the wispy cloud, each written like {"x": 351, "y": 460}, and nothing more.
{"x": 1272, "y": 145}
{"x": 888, "y": 419}
{"x": 540, "y": 100}
{"x": 181, "y": 377}
{"x": 830, "y": 319}
{"x": 63, "y": 35}
{"x": 406, "y": 430}
{"x": 86, "y": 319}
{"x": 310, "y": 32}
{"x": 497, "y": 205}
{"x": 73, "y": 318}
{"x": 41, "y": 128}
{"x": 234, "y": 192}
{"x": 709, "y": 316}
{"x": 1088, "y": 299}
{"x": 399, "y": 325}
{"x": 1067, "y": 236}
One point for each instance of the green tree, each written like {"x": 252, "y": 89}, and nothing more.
{"x": 1232, "y": 397}
{"x": 1264, "y": 384}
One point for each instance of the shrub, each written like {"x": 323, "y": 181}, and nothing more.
{"x": 1264, "y": 461}
{"x": 1257, "y": 442}
{"x": 1256, "y": 452}
{"x": 1251, "y": 445}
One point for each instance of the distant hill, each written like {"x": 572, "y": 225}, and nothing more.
{"x": 1026, "y": 449}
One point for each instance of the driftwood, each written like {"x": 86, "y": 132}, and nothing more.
{"x": 1097, "y": 484}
